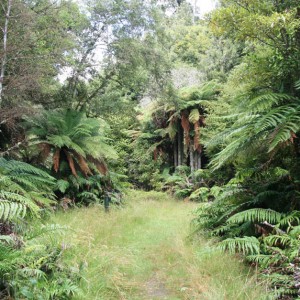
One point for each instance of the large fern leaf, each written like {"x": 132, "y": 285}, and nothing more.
{"x": 10, "y": 210}
{"x": 23, "y": 188}
{"x": 246, "y": 245}
{"x": 256, "y": 215}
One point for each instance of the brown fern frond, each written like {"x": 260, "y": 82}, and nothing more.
{"x": 45, "y": 150}
{"x": 71, "y": 162}
{"x": 100, "y": 165}
{"x": 82, "y": 164}
{"x": 56, "y": 157}
{"x": 185, "y": 123}
{"x": 293, "y": 137}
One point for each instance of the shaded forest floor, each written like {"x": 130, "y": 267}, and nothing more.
{"x": 143, "y": 251}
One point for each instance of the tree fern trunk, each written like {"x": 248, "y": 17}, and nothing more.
{"x": 175, "y": 152}
{"x": 180, "y": 145}
{"x": 197, "y": 161}
{"x": 192, "y": 158}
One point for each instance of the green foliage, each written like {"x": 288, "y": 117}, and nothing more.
{"x": 200, "y": 194}
{"x": 247, "y": 127}
{"x": 256, "y": 215}
{"x": 260, "y": 121}
{"x": 71, "y": 131}
{"x": 246, "y": 245}
{"x": 31, "y": 266}
{"x": 23, "y": 188}
{"x": 79, "y": 149}
{"x": 41, "y": 38}
{"x": 252, "y": 137}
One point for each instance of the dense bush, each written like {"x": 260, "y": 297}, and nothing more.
{"x": 32, "y": 266}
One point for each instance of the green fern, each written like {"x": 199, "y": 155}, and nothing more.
{"x": 11, "y": 210}
{"x": 24, "y": 188}
{"x": 62, "y": 185}
{"x": 194, "y": 115}
{"x": 292, "y": 218}
{"x": 73, "y": 138}
{"x": 264, "y": 260}
{"x": 265, "y": 102}
{"x": 246, "y": 245}
{"x": 282, "y": 240}
{"x": 266, "y": 118}
{"x": 35, "y": 270}
{"x": 256, "y": 215}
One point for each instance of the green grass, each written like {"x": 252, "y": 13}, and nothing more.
{"x": 142, "y": 252}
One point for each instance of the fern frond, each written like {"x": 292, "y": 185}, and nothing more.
{"x": 194, "y": 115}
{"x": 295, "y": 232}
{"x": 256, "y": 215}
{"x": 283, "y": 240}
{"x": 11, "y": 210}
{"x": 24, "y": 188}
{"x": 62, "y": 185}
{"x": 246, "y": 245}
{"x": 285, "y": 132}
{"x": 266, "y": 101}
{"x": 292, "y": 218}
{"x": 264, "y": 260}
{"x": 223, "y": 229}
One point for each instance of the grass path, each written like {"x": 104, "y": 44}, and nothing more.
{"x": 142, "y": 252}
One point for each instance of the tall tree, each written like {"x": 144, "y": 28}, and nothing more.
{"x": 37, "y": 38}
{"x": 6, "y": 11}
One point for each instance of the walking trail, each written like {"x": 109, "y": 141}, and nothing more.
{"x": 142, "y": 252}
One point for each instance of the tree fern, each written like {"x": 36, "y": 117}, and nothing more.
{"x": 72, "y": 137}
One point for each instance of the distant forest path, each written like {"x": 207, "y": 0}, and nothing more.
{"x": 142, "y": 251}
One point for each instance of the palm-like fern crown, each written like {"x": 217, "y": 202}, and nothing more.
{"x": 189, "y": 112}
{"x": 73, "y": 136}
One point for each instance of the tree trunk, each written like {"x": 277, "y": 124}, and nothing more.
{"x": 180, "y": 145}
{"x": 197, "y": 160}
{"x": 199, "y": 164}
{"x": 192, "y": 158}
{"x": 175, "y": 148}
{"x": 298, "y": 33}
{"x": 4, "y": 58}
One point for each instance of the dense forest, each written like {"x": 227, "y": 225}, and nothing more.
{"x": 101, "y": 96}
